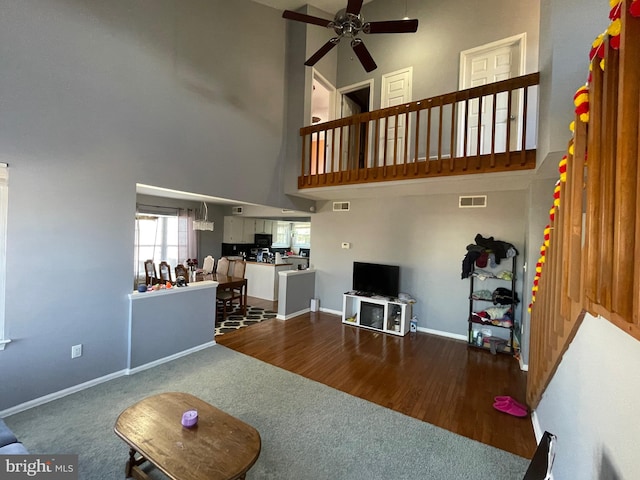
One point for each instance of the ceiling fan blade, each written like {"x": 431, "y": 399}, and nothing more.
{"x": 313, "y": 59}
{"x": 363, "y": 55}
{"x": 354, "y": 7}
{"x": 301, "y": 17}
{"x": 391, "y": 26}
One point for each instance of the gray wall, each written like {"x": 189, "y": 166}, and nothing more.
{"x": 97, "y": 96}
{"x": 445, "y": 29}
{"x": 426, "y": 235}
{"x": 567, "y": 29}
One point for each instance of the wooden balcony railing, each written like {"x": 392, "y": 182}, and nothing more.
{"x": 589, "y": 258}
{"x": 490, "y": 128}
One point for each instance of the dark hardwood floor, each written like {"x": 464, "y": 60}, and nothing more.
{"x": 438, "y": 380}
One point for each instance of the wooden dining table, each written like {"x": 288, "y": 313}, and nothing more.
{"x": 227, "y": 282}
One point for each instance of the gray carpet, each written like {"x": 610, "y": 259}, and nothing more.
{"x": 308, "y": 430}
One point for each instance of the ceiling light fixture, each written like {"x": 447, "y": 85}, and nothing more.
{"x": 203, "y": 224}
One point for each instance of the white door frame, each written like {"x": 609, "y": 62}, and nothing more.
{"x": 340, "y": 94}
{"x": 519, "y": 41}
{"x": 317, "y": 76}
{"x": 352, "y": 88}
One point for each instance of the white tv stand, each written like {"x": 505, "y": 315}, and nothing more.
{"x": 384, "y": 314}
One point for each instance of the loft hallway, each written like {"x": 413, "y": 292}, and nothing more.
{"x": 486, "y": 129}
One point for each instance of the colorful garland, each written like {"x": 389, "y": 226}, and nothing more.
{"x": 581, "y": 102}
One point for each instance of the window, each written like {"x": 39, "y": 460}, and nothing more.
{"x": 167, "y": 236}
{"x": 282, "y": 235}
{"x": 4, "y": 204}
{"x": 302, "y": 234}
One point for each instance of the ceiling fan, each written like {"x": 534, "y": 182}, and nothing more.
{"x": 349, "y": 23}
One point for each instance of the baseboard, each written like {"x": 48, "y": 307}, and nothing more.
{"x": 291, "y": 315}
{"x": 160, "y": 361}
{"x": 36, "y": 402}
{"x": 333, "y": 312}
{"x": 537, "y": 429}
{"x": 97, "y": 381}
{"x": 440, "y": 333}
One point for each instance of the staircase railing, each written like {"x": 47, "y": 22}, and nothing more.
{"x": 490, "y": 128}
{"x": 590, "y": 256}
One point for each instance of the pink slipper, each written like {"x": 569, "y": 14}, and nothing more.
{"x": 507, "y": 398}
{"x": 511, "y": 409}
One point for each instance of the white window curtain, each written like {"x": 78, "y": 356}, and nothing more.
{"x": 4, "y": 207}
{"x": 163, "y": 234}
{"x": 187, "y": 241}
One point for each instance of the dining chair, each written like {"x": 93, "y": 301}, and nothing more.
{"x": 223, "y": 266}
{"x": 208, "y": 265}
{"x": 239, "y": 267}
{"x": 150, "y": 275}
{"x": 228, "y": 296}
{"x": 165, "y": 272}
{"x": 183, "y": 271}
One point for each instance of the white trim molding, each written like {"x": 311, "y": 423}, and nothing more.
{"x": 4, "y": 208}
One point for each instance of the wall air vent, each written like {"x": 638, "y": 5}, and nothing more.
{"x": 237, "y": 210}
{"x": 341, "y": 206}
{"x": 478, "y": 201}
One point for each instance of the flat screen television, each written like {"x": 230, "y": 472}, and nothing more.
{"x": 376, "y": 279}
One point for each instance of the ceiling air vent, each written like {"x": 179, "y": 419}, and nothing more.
{"x": 478, "y": 201}
{"x": 341, "y": 206}
{"x": 237, "y": 210}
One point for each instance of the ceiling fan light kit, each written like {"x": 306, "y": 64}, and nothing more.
{"x": 349, "y": 23}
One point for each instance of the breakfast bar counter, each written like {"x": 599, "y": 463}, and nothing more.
{"x": 263, "y": 279}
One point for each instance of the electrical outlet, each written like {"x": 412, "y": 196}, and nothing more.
{"x": 76, "y": 351}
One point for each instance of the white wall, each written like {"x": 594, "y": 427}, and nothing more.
{"x": 591, "y": 405}
{"x": 426, "y": 235}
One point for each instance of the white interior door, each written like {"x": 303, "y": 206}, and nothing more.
{"x": 396, "y": 90}
{"x": 480, "y": 66}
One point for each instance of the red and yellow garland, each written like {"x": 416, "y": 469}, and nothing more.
{"x": 581, "y": 102}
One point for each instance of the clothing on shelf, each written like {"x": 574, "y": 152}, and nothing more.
{"x": 486, "y": 252}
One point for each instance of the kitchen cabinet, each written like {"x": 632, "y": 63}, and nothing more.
{"x": 264, "y": 226}
{"x": 238, "y": 230}
{"x": 249, "y": 230}
{"x": 233, "y": 230}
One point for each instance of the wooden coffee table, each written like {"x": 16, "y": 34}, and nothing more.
{"x": 218, "y": 447}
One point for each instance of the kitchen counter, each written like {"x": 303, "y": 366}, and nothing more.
{"x": 262, "y": 279}
{"x": 268, "y": 264}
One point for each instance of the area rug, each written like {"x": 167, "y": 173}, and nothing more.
{"x": 236, "y": 320}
